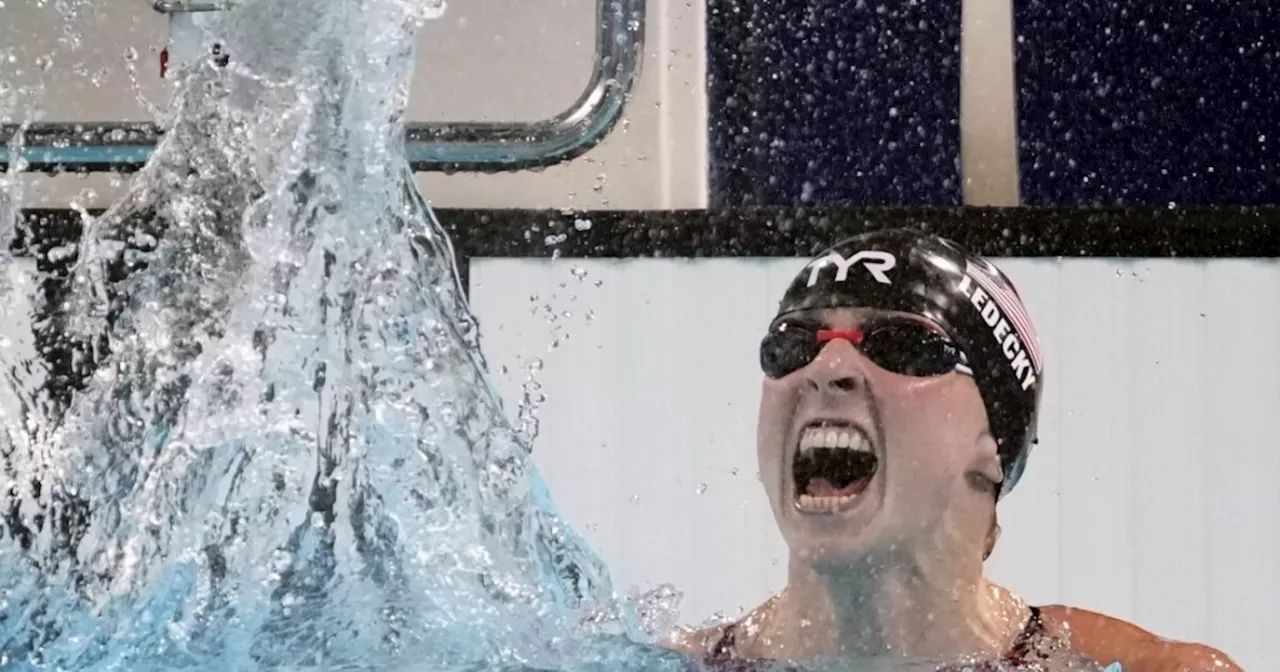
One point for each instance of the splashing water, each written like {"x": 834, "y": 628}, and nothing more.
{"x": 286, "y": 451}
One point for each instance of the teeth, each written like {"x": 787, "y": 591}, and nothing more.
{"x": 811, "y": 504}
{"x": 837, "y": 437}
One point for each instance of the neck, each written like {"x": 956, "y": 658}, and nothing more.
{"x": 915, "y": 607}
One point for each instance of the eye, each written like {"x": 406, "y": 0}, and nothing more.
{"x": 911, "y": 349}
{"x": 787, "y": 347}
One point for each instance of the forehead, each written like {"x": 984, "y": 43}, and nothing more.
{"x": 849, "y": 318}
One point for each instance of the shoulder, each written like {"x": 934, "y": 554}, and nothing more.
{"x": 725, "y": 639}
{"x": 1106, "y": 640}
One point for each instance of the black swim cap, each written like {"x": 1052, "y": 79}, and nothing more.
{"x": 924, "y": 274}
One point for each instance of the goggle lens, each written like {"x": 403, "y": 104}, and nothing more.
{"x": 904, "y": 347}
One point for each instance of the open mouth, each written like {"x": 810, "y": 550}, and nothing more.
{"x": 832, "y": 467}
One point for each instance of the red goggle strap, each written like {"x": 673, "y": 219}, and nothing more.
{"x": 854, "y": 336}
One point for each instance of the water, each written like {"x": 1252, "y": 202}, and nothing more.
{"x": 287, "y": 452}
{"x": 283, "y": 451}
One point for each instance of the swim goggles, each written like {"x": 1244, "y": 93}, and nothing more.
{"x": 900, "y": 346}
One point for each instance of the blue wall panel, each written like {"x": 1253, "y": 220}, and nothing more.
{"x": 830, "y": 102}
{"x": 1128, "y": 102}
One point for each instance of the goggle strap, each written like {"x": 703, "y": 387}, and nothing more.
{"x": 854, "y": 336}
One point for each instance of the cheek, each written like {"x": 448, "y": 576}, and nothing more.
{"x": 777, "y": 407}
{"x": 955, "y": 411}
{"x": 924, "y": 429}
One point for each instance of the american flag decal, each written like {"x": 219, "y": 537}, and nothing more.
{"x": 1012, "y": 308}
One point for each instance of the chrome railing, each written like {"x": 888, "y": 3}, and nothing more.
{"x": 431, "y": 146}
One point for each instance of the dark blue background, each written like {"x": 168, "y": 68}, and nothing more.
{"x": 845, "y": 102}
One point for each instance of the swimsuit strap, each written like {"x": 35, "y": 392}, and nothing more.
{"x": 723, "y": 649}
{"x": 1022, "y": 646}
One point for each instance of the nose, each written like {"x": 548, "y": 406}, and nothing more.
{"x": 838, "y": 368}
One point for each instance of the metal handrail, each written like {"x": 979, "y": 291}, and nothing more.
{"x": 432, "y": 146}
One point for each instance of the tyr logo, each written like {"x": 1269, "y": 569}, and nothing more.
{"x": 875, "y": 261}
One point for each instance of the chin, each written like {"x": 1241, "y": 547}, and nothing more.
{"x": 819, "y": 555}
{"x": 836, "y": 540}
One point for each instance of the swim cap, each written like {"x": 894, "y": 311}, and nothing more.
{"x": 924, "y": 274}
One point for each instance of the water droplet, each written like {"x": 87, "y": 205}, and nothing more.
{"x": 702, "y": 488}
{"x": 733, "y": 471}
{"x": 582, "y": 224}
{"x": 578, "y": 272}
{"x": 280, "y": 560}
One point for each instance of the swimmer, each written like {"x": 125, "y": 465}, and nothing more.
{"x": 902, "y": 381}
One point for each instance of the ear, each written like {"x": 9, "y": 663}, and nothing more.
{"x": 986, "y": 460}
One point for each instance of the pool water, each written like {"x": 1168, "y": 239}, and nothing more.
{"x": 288, "y": 453}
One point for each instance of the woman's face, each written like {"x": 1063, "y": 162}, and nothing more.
{"x": 867, "y": 446}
